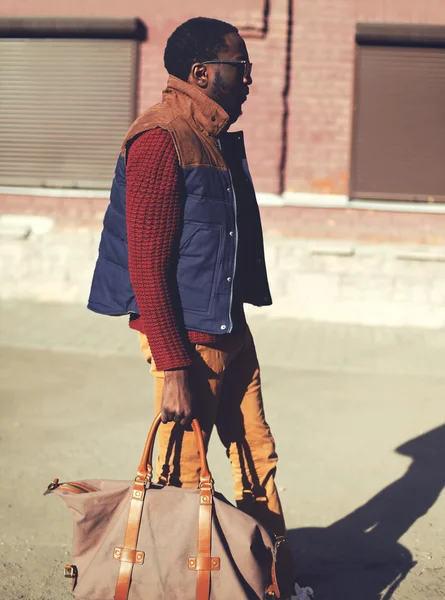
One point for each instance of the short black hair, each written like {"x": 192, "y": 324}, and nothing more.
{"x": 194, "y": 41}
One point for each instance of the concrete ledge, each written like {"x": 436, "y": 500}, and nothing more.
{"x": 264, "y": 199}
{"x": 53, "y": 192}
{"x": 22, "y": 226}
{"x": 338, "y": 282}
{"x": 336, "y": 201}
{"x": 422, "y": 256}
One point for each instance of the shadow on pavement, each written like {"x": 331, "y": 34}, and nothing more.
{"x": 359, "y": 557}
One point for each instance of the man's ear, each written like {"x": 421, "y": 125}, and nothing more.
{"x": 199, "y": 75}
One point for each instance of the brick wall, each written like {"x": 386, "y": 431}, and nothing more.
{"x": 322, "y": 82}
{"x": 262, "y": 120}
{"x": 320, "y": 77}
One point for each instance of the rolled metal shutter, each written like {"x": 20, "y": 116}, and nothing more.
{"x": 398, "y": 147}
{"x": 65, "y": 106}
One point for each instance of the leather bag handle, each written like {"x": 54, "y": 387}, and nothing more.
{"x": 145, "y": 469}
{"x": 128, "y": 554}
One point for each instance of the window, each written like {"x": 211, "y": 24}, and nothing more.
{"x": 68, "y": 92}
{"x": 398, "y": 149}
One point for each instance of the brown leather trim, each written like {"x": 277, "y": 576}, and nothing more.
{"x": 130, "y": 541}
{"x": 77, "y": 488}
{"x": 137, "y": 494}
{"x": 273, "y": 588}
{"x": 180, "y": 99}
{"x": 192, "y": 119}
{"x": 145, "y": 468}
{"x": 70, "y": 486}
{"x": 128, "y": 555}
{"x": 204, "y": 541}
{"x": 204, "y": 563}
{"x": 124, "y": 580}
{"x": 203, "y": 585}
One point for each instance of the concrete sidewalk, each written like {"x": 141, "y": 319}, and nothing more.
{"x": 357, "y": 413}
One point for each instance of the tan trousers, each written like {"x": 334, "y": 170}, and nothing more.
{"x": 226, "y": 391}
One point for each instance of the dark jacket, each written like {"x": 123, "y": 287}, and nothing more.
{"x": 206, "y": 267}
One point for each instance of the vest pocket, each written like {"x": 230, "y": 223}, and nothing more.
{"x": 199, "y": 252}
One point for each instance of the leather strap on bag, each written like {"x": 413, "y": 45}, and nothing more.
{"x": 129, "y": 555}
{"x": 204, "y": 563}
{"x": 273, "y": 590}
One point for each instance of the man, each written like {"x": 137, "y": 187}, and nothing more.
{"x": 183, "y": 196}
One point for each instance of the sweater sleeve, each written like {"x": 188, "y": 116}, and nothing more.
{"x": 153, "y": 229}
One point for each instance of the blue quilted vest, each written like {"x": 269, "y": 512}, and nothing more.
{"x": 207, "y": 262}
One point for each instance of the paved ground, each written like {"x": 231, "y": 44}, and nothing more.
{"x": 357, "y": 413}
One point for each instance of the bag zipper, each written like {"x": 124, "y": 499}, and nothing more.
{"x": 69, "y": 486}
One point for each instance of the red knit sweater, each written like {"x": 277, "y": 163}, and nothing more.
{"x": 154, "y": 193}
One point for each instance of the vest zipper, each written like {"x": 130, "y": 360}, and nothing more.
{"x": 236, "y": 241}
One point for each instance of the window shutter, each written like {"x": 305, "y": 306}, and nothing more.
{"x": 65, "y": 106}
{"x": 398, "y": 150}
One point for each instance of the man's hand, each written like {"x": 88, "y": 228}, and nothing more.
{"x": 176, "y": 398}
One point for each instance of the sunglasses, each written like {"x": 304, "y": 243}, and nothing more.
{"x": 247, "y": 65}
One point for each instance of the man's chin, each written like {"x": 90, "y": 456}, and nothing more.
{"x": 235, "y": 116}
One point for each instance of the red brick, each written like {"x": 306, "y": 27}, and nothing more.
{"x": 354, "y": 224}
{"x": 320, "y": 100}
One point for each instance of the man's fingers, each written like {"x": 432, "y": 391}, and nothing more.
{"x": 187, "y": 419}
{"x": 170, "y": 415}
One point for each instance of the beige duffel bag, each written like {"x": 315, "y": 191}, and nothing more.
{"x": 141, "y": 541}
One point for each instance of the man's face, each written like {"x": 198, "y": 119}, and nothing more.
{"x": 229, "y": 87}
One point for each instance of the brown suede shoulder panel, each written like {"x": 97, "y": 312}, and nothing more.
{"x": 195, "y": 148}
{"x": 156, "y": 116}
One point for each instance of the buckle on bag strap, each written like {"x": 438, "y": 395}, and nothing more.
{"x": 70, "y": 571}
